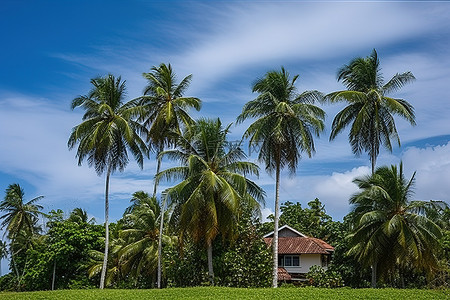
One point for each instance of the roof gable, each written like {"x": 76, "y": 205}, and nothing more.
{"x": 291, "y": 241}
{"x": 286, "y": 231}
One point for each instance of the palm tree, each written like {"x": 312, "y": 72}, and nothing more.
{"x": 166, "y": 113}
{"x": 107, "y": 131}
{"x": 391, "y": 232}
{"x": 166, "y": 109}
{"x": 20, "y": 219}
{"x": 370, "y": 111}
{"x": 214, "y": 189}
{"x": 96, "y": 258}
{"x": 285, "y": 125}
{"x": 138, "y": 198}
{"x": 80, "y": 216}
{"x": 19, "y": 215}
{"x": 140, "y": 252}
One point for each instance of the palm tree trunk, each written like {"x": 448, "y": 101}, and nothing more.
{"x": 402, "y": 280}
{"x": 23, "y": 272}
{"x": 373, "y": 159}
{"x": 161, "y": 225}
{"x": 105, "y": 257}
{"x": 374, "y": 275}
{"x": 275, "y": 231}
{"x": 158, "y": 168}
{"x": 210, "y": 263}
{"x": 54, "y": 271}
{"x": 14, "y": 265}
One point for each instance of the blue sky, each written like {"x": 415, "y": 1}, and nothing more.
{"x": 51, "y": 49}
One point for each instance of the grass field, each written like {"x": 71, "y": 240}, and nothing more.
{"x": 234, "y": 293}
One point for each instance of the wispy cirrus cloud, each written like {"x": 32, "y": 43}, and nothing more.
{"x": 34, "y": 149}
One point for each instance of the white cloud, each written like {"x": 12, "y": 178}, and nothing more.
{"x": 34, "y": 148}
{"x": 432, "y": 167}
{"x": 272, "y": 33}
{"x": 265, "y": 212}
{"x": 431, "y": 164}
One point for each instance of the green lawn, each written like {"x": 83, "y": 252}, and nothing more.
{"x": 234, "y": 293}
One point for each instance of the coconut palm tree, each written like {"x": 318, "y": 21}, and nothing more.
{"x": 370, "y": 110}
{"x": 19, "y": 215}
{"x": 96, "y": 258}
{"x": 20, "y": 219}
{"x": 140, "y": 252}
{"x": 285, "y": 126}
{"x": 214, "y": 189}
{"x": 137, "y": 199}
{"x": 107, "y": 131}
{"x": 80, "y": 216}
{"x": 392, "y": 232}
{"x": 166, "y": 109}
{"x": 165, "y": 115}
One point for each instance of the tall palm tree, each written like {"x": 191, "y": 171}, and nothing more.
{"x": 107, "y": 131}
{"x": 392, "y": 232}
{"x": 285, "y": 125}
{"x": 370, "y": 110}
{"x": 20, "y": 219}
{"x": 214, "y": 189}
{"x": 165, "y": 115}
{"x": 166, "y": 109}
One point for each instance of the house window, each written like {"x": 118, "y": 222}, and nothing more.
{"x": 291, "y": 261}
{"x": 296, "y": 260}
{"x": 288, "y": 260}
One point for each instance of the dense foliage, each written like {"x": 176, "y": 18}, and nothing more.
{"x": 60, "y": 254}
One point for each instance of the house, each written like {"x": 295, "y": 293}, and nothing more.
{"x": 298, "y": 252}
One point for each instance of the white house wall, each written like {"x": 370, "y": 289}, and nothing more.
{"x": 306, "y": 262}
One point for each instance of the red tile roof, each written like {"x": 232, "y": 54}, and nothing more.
{"x": 301, "y": 245}
{"x": 283, "y": 274}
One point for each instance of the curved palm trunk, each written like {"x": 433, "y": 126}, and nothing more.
{"x": 275, "y": 231}
{"x": 210, "y": 263}
{"x": 105, "y": 256}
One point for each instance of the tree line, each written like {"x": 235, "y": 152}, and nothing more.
{"x": 215, "y": 205}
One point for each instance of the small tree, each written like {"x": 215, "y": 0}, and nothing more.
{"x": 391, "y": 232}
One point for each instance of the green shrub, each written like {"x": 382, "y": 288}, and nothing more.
{"x": 318, "y": 277}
